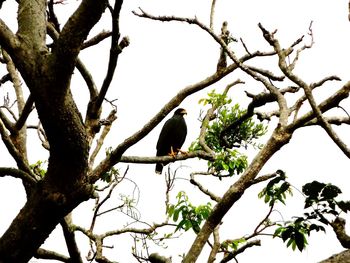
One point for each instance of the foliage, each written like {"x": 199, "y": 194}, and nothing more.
{"x": 230, "y": 161}
{"x": 215, "y": 99}
{"x": 233, "y": 244}
{"x": 244, "y": 134}
{"x": 294, "y": 233}
{"x": 320, "y": 199}
{"x": 110, "y": 175}
{"x": 190, "y": 216}
{"x": 276, "y": 189}
{"x": 38, "y": 168}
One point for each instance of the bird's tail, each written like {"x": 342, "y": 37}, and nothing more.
{"x": 159, "y": 168}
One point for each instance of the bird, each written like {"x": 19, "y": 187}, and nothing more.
{"x": 171, "y": 137}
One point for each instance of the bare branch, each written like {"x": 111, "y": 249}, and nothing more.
{"x": 96, "y": 39}
{"x": 74, "y": 32}
{"x": 21, "y": 163}
{"x": 287, "y": 70}
{"x": 203, "y": 190}
{"x": 69, "y": 236}
{"x": 46, "y": 254}
{"x": 216, "y": 246}
{"x": 240, "y": 250}
{"x": 212, "y": 14}
{"x": 116, "y": 48}
{"x": 107, "y": 127}
{"x": 264, "y": 178}
{"x": 27, "y": 109}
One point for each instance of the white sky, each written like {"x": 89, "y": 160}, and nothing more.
{"x": 165, "y": 57}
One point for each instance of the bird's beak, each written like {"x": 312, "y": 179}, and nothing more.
{"x": 184, "y": 112}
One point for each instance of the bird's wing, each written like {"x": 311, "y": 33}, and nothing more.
{"x": 166, "y": 133}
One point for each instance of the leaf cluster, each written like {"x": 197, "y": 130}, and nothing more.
{"x": 110, "y": 175}
{"x": 276, "y": 189}
{"x": 321, "y": 198}
{"x": 190, "y": 216}
{"x": 241, "y": 136}
{"x": 228, "y": 161}
{"x": 38, "y": 168}
{"x": 294, "y": 233}
{"x": 233, "y": 244}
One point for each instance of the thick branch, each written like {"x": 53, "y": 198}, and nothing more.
{"x": 96, "y": 39}
{"x": 338, "y": 226}
{"x": 75, "y": 31}
{"x": 16, "y": 173}
{"x": 166, "y": 159}
{"x": 8, "y": 40}
{"x": 31, "y": 24}
{"x": 69, "y": 236}
{"x": 94, "y": 108}
{"x": 27, "y": 109}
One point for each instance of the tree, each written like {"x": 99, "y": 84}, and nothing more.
{"x": 44, "y": 56}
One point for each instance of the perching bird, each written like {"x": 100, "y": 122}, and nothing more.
{"x": 171, "y": 137}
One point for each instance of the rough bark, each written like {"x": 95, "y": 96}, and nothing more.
{"x": 47, "y": 75}
{"x": 342, "y": 257}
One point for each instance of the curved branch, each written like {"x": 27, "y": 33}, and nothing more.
{"x": 240, "y": 250}
{"x": 212, "y": 13}
{"x": 16, "y": 173}
{"x": 15, "y": 153}
{"x": 212, "y": 196}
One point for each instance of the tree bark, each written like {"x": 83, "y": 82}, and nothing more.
{"x": 47, "y": 75}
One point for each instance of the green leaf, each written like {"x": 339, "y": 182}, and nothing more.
{"x": 344, "y": 206}
{"x": 299, "y": 240}
{"x": 330, "y": 191}
{"x": 176, "y": 215}
{"x": 313, "y": 189}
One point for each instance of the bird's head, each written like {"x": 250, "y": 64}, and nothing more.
{"x": 180, "y": 111}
